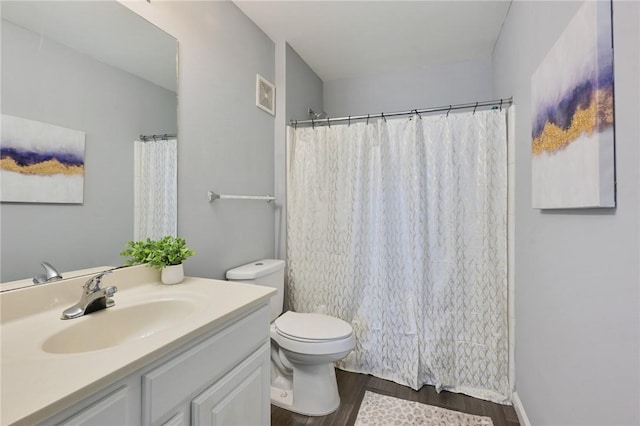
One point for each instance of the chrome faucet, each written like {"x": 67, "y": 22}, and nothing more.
{"x": 94, "y": 298}
{"x": 50, "y": 274}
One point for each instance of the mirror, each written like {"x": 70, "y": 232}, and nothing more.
{"x": 95, "y": 67}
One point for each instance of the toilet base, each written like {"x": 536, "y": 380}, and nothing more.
{"x": 314, "y": 391}
{"x": 281, "y": 398}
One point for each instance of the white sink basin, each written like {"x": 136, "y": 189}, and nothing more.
{"x": 114, "y": 326}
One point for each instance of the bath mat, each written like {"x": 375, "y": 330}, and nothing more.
{"x": 385, "y": 410}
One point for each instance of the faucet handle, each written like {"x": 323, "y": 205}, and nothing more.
{"x": 93, "y": 284}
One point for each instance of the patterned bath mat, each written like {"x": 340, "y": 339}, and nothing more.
{"x": 385, "y": 410}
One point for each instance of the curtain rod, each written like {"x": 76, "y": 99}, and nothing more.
{"x": 496, "y": 102}
{"x": 166, "y": 136}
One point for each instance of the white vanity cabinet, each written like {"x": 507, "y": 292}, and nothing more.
{"x": 109, "y": 410}
{"x": 220, "y": 378}
{"x": 236, "y": 398}
{"x": 173, "y": 387}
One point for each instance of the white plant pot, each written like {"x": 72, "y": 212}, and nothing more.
{"x": 172, "y": 274}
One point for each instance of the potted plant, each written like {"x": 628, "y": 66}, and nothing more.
{"x": 166, "y": 254}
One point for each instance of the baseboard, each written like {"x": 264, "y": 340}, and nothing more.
{"x": 522, "y": 415}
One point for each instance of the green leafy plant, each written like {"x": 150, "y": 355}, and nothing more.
{"x": 157, "y": 253}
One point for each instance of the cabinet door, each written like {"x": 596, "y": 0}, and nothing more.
{"x": 176, "y": 381}
{"x": 241, "y": 397}
{"x": 110, "y": 410}
{"x": 177, "y": 420}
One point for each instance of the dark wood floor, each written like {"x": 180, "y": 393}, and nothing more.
{"x": 352, "y": 387}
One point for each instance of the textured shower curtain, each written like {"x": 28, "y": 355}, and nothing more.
{"x": 155, "y": 189}
{"x": 399, "y": 227}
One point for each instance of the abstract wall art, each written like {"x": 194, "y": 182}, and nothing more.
{"x": 573, "y": 162}
{"x": 40, "y": 163}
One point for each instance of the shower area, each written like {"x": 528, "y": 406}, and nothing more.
{"x": 155, "y": 183}
{"x": 398, "y": 223}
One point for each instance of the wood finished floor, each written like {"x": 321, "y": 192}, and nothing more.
{"x": 352, "y": 387}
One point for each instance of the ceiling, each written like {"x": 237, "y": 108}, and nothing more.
{"x": 346, "y": 39}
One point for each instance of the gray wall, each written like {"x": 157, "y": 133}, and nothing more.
{"x": 304, "y": 88}
{"x": 226, "y": 142}
{"x": 577, "y": 275}
{"x": 48, "y": 82}
{"x": 437, "y": 85}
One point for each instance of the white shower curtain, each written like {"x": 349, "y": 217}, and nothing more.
{"x": 155, "y": 189}
{"x": 399, "y": 228}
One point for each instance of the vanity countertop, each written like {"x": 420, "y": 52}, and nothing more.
{"x": 46, "y": 366}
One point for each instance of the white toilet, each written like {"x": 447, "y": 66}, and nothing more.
{"x": 304, "y": 346}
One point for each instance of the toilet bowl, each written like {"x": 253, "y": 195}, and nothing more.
{"x": 308, "y": 344}
{"x": 304, "y": 347}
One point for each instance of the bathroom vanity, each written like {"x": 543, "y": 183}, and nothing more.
{"x": 192, "y": 353}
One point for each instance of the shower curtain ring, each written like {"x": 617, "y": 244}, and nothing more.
{"x": 500, "y": 104}
{"x": 475, "y": 107}
{"x": 313, "y": 124}
{"x": 349, "y": 121}
{"x": 449, "y": 110}
{"x": 418, "y": 114}
{"x": 367, "y": 118}
{"x": 328, "y": 122}
{"x": 383, "y": 117}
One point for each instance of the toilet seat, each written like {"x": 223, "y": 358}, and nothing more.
{"x": 312, "y": 334}
{"x": 311, "y": 327}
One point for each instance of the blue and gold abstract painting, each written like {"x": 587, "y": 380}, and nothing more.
{"x": 573, "y": 164}
{"x": 40, "y": 162}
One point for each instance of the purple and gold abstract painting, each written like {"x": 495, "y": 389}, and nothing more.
{"x": 40, "y": 163}
{"x": 573, "y": 164}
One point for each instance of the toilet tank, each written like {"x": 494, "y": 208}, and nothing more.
{"x": 266, "y": 272}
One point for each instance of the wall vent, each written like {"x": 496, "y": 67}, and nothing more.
{"x": 265, "y": 95}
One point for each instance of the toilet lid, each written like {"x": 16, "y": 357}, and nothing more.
{"x": 309, "y": 326}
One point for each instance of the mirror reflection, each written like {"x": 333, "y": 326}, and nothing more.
{"x": 97, "y": 68}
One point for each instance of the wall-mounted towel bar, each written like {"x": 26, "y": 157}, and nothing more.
{"x": 213, "y": 196}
